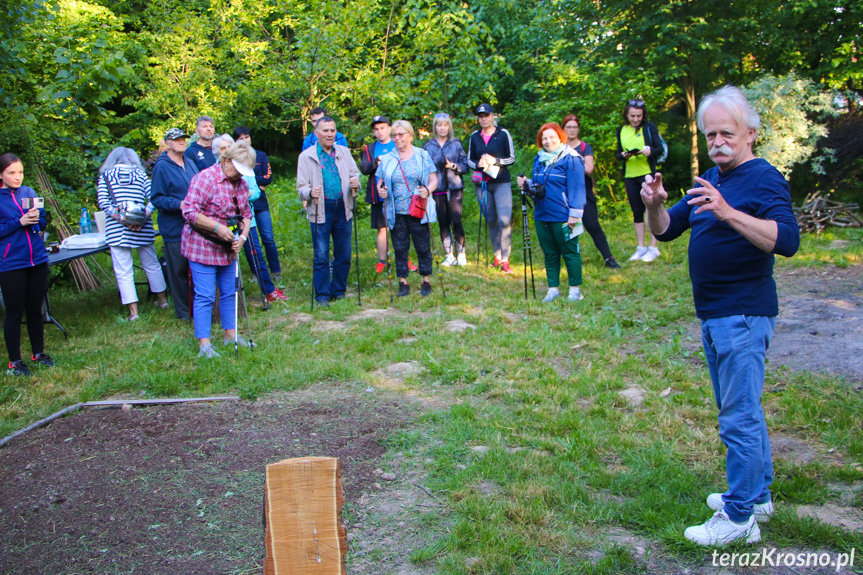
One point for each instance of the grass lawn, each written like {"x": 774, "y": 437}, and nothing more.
{"x": 535, "y": 449}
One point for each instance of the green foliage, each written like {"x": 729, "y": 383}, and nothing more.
{"x": 792, "y": 111}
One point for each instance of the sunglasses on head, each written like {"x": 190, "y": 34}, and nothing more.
{"x": 636, "y": 103}
{"x": 442, "y": 116}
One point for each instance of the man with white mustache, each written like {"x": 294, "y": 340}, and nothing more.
{"x": 740, "y": 215}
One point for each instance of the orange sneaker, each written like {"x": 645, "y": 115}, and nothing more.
{"x": 380, "y": 267}
{"x": 504, "y": 267}
{"x": 497, "y": 263}
{"x": 412, "y": 267}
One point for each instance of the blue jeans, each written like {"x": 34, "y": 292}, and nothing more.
{"x": 206, "y": 278}
{"x": 735, "y": 348}
{"x": 265, "y": 228}
{"x": 262, "y": 273}
{"x": 337, "y": 226}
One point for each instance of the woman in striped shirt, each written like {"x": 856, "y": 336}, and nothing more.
{"x": 124, "y": 187}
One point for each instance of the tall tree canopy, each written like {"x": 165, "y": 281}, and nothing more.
{"x": 81, "y": 76}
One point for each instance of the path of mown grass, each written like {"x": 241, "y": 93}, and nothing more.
{"x": 535, "y": 384}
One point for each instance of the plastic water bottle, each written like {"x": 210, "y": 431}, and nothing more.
{"x": 84, "y": 227}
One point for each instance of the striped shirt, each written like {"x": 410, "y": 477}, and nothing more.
{"x": 212, "y": 194}
{"x": 129, "y": 184}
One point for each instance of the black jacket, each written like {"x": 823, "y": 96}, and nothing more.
{"x": 368, "y": 167}
{"x": 651, "y": 139}
{"x": 499, "y": 146}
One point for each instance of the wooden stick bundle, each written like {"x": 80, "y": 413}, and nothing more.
{"x": 818, "y": 212}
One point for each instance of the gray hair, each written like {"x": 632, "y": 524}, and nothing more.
{"x": 121, "y": 157}
{"x": 241, "y": 152}
{"x": 734, "y": 101}
{"x": 406, "y": 126}
{"x": 218, "y": 142}
{"x": 204, "y": 119}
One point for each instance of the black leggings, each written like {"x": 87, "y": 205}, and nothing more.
{"x": 407, "y": 228}
{"x": 590, "y": 219}
{"x": 24, "y": 291}
{"x": 449, "y": 214}
{"x": 633, "y": 194}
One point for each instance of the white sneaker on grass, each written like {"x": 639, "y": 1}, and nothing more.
{"x": 207, "y": 351}
{"x": 761, "y": 511}
{"x": 639, "y": 253}
{"x": 720, "y": 530}
{"x": 450, "y": 260}
{"x": 553, "y": 294}
{"x": 462, "y": 259}
{"x": 575, "y": 294}
{"x": 652, "y": 254}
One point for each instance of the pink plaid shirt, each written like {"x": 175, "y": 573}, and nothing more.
{"x": 211, "y": 193}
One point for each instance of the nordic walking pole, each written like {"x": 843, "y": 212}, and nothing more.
{"x": 246, "y": 312}
{"x": 389, "y": 257}
{"x": 479, "y": 232}
{"x": 357, "y": 251}
{"x": 525, "y": 238}
{"x": 314, "y": 240}
{"x": 485, "y": 201}
{"x": 236, "y": 301}
{"x": 434, "y": 251}
{"x": 256, "y": 263}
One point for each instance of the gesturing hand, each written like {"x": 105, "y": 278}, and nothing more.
{"x": 708, "y": 199}
{"x": 652, "y": 191}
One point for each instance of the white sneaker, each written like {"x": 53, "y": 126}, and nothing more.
{"x": 575, "y": 294}
{"x": 639, "y": 253}
{"x": 450, "y": 260}
{"x": 652, "y": 254}
{"x": 207, "y": 351}
{"x": 720, "y": 530}
{"x": 761, "y": 511}
{"x": 462, "y": 259}
{"x": 553, "y": 294}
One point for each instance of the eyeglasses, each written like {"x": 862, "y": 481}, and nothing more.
{"x": 636, "y": 103}
{"x": 571, "y": 127}
{"x": 398, "y": 134}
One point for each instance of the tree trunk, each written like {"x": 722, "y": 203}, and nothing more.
{"x": 689, "y": 97}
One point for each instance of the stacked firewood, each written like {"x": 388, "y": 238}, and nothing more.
{"x": 819, "y": 211}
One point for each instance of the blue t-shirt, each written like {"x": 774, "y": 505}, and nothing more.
{"x": 381, "y": 149}
{"x": 730, "y": 276}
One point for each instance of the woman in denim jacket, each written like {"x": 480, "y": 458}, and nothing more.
{"x": 450, "y": 159}
{"x": 402, "y": 174}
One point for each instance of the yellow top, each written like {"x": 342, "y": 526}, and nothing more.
{"x": 636, "y": 166}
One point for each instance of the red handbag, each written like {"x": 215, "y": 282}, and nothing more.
{"x": 417, "y": 208}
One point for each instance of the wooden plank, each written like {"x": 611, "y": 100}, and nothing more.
{"x": 304, "y": 533}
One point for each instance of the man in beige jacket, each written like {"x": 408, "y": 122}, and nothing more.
{"x": 327, "y": 181}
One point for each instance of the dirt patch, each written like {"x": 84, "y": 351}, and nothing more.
{"x": 791, "y": 450}
{"x": 820, "y": 322}
{"x": 849, "y": 518}
{"x": 175, "y": 489}
{"x": 634, "y": 395}
{"x": 458, "y": 326}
